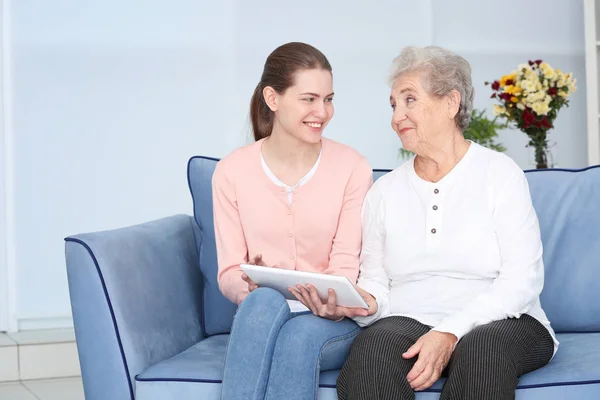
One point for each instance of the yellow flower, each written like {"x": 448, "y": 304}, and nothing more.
{"x": 563, "y": 94}
{"x": 531, "y": 84}
{"x": 525, "y": 67}
{"x": 547, "y": 70}
{"x": 507, "y": 78}
{"x": 512, "y": 89}
{"x": 521, "y": 106}
{"x": 572, "y": 87}
{"x": 514, "y": 99}
{"x": 540, "y": 108}
{"x": 499, "y": 110}
{"x": 534, "y": 97}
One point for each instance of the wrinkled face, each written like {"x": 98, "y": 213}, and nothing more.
{"x": 419, "y": 118}
{"x": 305, "y": 108}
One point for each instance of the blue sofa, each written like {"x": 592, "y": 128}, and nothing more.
{"x": 151, "y": 323}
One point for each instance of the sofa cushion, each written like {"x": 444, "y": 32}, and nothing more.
{"x": 217, "y": 310}
{"x": 567, "y": 203}
{"x": 198, "y": 372}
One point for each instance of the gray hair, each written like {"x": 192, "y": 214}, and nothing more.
{"x": 445, "y": 71}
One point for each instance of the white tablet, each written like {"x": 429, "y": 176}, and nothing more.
{"x": 282, "y": 279}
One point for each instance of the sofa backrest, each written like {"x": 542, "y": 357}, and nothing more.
{"x": 567, "y": 203}
{"x": 217, "y": 310}
{"x": 568, "y": 206}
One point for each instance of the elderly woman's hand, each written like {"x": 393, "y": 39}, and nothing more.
{"x": 329, "y": 309}
{"x": 434, "y": 350}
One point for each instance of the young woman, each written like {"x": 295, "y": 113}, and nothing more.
{"x": 292, "y": 200}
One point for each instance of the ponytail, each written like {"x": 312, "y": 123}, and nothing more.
{"x": 261, "y": 115}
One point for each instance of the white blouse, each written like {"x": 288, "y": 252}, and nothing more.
{"x": 455, "y": 254}
{"x": 289, "y": 189}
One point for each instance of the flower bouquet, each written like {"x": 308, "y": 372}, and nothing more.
{"x": 530, "y": 98}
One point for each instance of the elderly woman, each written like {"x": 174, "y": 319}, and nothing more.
{"x": 451, "y": 256}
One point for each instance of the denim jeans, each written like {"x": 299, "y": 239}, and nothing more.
{"x": 274, "y": 354}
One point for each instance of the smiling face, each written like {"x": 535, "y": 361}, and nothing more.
{"x": 420, "y": 119}
{"x": 305, "y": 108}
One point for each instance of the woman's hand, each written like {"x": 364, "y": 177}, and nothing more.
{"x": 310, "y": 298}
{"x": 434, "y": 349}
{"x": 251, "y": 285}
{"x": 257, "y": 260}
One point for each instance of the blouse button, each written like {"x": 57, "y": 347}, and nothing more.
{"x": 436, "y": 191}
{"x": 283, "y": 190}
{"x": 290, "y": 234}
{"x": 292, "y": 256}
{"x": 433, "y": 231}
{"x": 435, "y": 208}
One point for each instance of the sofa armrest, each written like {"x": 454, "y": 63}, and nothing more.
{"x": 136, "y": 300}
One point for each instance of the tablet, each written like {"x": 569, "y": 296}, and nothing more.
{"x": 282, "y": 279}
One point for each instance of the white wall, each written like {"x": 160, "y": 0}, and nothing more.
{"x": 495, "y": 36}
{"x": 111, "y": 98}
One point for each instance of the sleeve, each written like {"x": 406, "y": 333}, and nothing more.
{"x": 346, "y": 247}
{"x": 521, "y": 277}
{"x": 373, "y": 277}
{"x": 231, "y": 243}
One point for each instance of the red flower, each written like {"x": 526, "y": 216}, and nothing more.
{"x": 493, "y": 96}
{"x": 531, "y": 63}
{"x": 495, "y": 85}
{"x": 552, "y": 91}
{"x": 528, "y": 118}
{"x": 509, "y": 82}
{"x": 545, "y": 123}
{"x": 504, "y": 96}
{"x": 538, "y": 62}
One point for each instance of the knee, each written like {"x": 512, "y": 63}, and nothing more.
{"x": 264, "y": 298}
{"x": 378, "y": 341}
{"x": 484, "y": 352}
{"x": 481, "y": 341}
{"x": 263, "y": 304}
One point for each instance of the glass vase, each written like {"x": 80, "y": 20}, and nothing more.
{"x": 541, "y": 156}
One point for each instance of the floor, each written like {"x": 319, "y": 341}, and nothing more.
{"x": 47, "y": 389}
{"x": 40, "y": 365}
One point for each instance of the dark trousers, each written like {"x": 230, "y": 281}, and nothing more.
{"x": 486, "y": 363}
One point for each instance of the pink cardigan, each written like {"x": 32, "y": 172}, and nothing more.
{"x": 319, "y": 232}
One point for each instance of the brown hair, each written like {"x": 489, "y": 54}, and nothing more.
{"x": 278, "y": 72}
